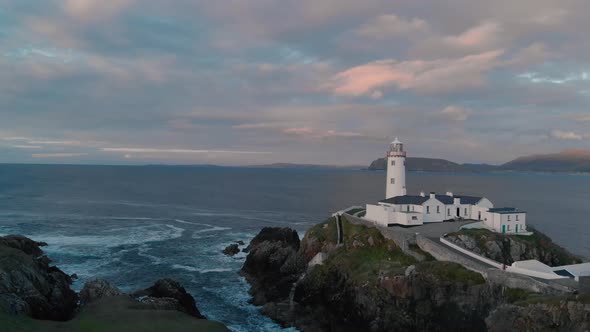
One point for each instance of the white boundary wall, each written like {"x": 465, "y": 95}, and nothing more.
{"x": 500, "y": 266}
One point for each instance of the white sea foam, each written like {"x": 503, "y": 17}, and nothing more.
{"x": 127, "y": 236}
{"x": 206, "y": 230}
{"x": 202, "y": 271}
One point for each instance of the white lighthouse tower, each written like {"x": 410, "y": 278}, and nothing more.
{"x": 396, "y": 170}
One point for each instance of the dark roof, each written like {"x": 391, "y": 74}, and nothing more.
{"x": 407, "y": 199}
{"x": 505, "y": 210}
{"x": 469, "y": 199}
{"x": 445, "y": 199}
{"x": 419, "y": 200}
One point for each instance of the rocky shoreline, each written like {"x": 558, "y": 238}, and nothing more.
{"x": 34, "y": 296}
{"x": 369, "y": 284}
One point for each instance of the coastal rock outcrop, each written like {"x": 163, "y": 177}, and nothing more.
{"x": 564, "y": 315}
{"x": 231, "y": 250}
{"x": 507, "y": 249}
{"x": 273, "y": 264}
{"x": 30, "y": 285}
{"x": 97, "y": 289}
{"x": 167, "y": 294}
{"x": 367, "y": 283}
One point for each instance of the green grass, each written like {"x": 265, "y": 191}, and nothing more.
{"x": 365, "y": 253}
{"x": 115, "y": 314}
{"x": 516, "y": 294}
{"x": 427, "y": 256}
{"x": 448, "y": 271}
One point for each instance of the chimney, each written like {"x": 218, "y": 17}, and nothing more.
{"x": 422, "y": 194}
{"x": 457, "y": 201}
{"x": 449, "y": 193}
{"x": 432, "y": 194}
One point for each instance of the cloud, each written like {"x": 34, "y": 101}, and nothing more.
{"x": 484, "y": 35}
{"x": 456, "y": 113}
{"x": 57, "y": 155}
{"x": 94, "y": 10}
{"x": 390, "y": 26}
{"x": 582, "y": 118}
{"x": 27, "y": 146}
{"x": 566, "y": 135}
{"x": 436, "y": 76}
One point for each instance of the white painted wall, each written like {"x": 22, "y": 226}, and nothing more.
{"x": 396, "y": 170}
{"x": 378, "y": 214}
{"x": 433, "y": 210}
{"x": 497, "y": 220}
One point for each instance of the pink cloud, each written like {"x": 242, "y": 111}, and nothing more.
{"x": 434, "y": 76}
{"x": 484, "y": 34}
{"x": 93, "y": 10}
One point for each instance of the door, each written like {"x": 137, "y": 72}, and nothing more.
{"x": 516, "y": 228}
{"x": 503, "y": 228}
{"x": 479, "y": 215}
{"x": 458, "y": 212}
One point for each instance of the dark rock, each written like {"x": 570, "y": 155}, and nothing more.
{"x": 273, "y": 265}
{"x": 240, "y": 242}
{"x": 29, "y": 285}
{"x": 508, "y": 249}
{"x": 231, "y": 250}
{"x": 274, "y": 234}
{"x": 23, "y": 244}
{"x": 555, "y": 316}
{"x": 353, "y": 291}
{"x": 74, "y": 276}
{"x": 97, "y": 289}
{"x": 168, "y": 288}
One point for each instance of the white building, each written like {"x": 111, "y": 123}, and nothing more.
{"x": 398, "y": 208}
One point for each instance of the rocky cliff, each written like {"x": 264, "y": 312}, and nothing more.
{"x": 30, "y": 285}
{"x": 510, "y": 248}
{"x": 368, "y": 284}
{"x": 35, "y": 296}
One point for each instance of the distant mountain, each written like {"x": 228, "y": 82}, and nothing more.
{"x": 565, "y": 161}
{"x": 423, "y": 164}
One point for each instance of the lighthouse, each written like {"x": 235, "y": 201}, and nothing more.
{"x": 396, "y": 170}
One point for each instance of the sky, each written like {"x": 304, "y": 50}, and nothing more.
{"x": 236, "y": 82}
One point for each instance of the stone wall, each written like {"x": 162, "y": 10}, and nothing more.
{"x": 443, "y": 253}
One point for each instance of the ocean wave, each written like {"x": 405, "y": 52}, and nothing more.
{"x": 206, "y": 230}
{"x": 127, "y": 236}
{"x": 202, "y": 271}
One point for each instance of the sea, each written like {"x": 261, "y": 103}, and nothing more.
{"x": 135, "y": 224}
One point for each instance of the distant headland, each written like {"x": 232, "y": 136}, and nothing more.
{"x": 570, "y": 161}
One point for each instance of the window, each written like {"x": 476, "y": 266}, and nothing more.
{"x": 393, "y": 163}
{"x": 517, "y": 217}
{"x": 392, "y": 181}
{"x": 414, "y": 218}
{"x": 448, "y": 212}
{"x": 428, "y": 209}
{"x": 508, "y": 217}
{"x": 465, "y": 214}
{"x": 437, "y": 209}
{"x": 408, "y": 208}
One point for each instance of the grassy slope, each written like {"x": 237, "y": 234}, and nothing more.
{"x": 115, "y": 314}
{"x": 364, "y": 262}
